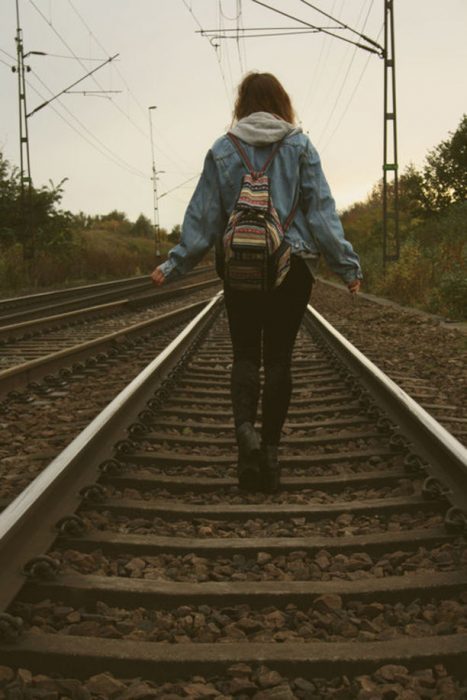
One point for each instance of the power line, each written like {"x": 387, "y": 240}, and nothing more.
{"x": 265, "y": 34}
{"x": 110, "y": 155}
{"x": 346, "y": 75}
{"x": 114, "y": 157}
{"x": 122, "y": 78}
{"x": 232, "y": 19}
{"x": 44, "y": 104}
{"x": 13, "y": 58}
{"x": 177, "y": 187}
{"x": 215, "y": 47}
{"x": 227, "y": 60}
{"x": 238, "y": 20}
{"x": 320, "y": 29}
{"x": 317, "y": 73}
{"x": 345, "y": 26}
{"x": 80, "y": 58}
{"x": 192, "y": 14}
{"x": 349, "y": 101}
{"x": 86, "y": 25}
{"x": 84, "y": 67}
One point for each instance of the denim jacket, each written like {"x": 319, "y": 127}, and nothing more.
{"x": 295, "y": 176}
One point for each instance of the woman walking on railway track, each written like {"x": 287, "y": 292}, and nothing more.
{"x": 264, "y": 203}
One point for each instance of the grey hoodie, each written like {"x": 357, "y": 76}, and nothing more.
{"x": 262, "y": 128}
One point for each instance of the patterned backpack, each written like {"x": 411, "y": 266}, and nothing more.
{"x": 256, "y": 254}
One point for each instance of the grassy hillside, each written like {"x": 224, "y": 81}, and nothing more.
{"x": 92, "y": 255}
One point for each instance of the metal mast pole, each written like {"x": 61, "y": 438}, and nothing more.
{"x": 391, "y": 246}
{"x": 25, "y": 173}
{"x": 23, "y": 123}
{"x": 154, "y": 188}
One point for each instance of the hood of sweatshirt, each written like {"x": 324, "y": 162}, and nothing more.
{"x": 263, "y": 128}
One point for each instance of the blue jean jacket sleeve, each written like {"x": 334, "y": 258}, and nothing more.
{"x": 322, "y": 218}
{"x": 204, "y": 221}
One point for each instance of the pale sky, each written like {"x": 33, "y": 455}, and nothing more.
{"x": 102, "y": 145}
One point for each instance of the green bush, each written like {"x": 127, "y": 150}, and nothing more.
{"x": 450, "y": 296}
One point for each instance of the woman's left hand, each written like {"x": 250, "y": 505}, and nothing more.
{"x": 157, "y": 277}
{"x": 354, "y": 286}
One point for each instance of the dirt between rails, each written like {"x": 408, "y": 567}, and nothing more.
{"x": 428, "y": 359}
{"x": 241, "y": 682}
{"x": 329, "y": 619}
{"x": 36, "y": 430}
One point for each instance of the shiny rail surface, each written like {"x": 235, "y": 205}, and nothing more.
{"x": 47, "y": 362}
{"x": 17, "y": 309}
{"x": 367, "y": 530}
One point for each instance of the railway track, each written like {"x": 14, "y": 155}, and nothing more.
{"x": 135, "y": 554}
{"x": 31, "y": 350}
{"x": 14, "y": 310}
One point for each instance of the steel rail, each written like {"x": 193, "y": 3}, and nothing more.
{"x": 145, "y": 294}
{"x": 142, "y": 280}
{"x": 27, "y": 525}
{"x": 56, "y": 320}
{"x": 36, "y": 369}
{"x": 132, "y": 658}
{"x": 446, "y": 457}
{"x": 14, "y": 330}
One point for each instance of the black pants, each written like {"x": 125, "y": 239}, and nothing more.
{"x": 273, "y": 318}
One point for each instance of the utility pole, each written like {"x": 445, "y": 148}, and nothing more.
{"x": 26, "y": 191}
{"x": 25, "y": 161}
{"x": 154, "y": 188}
{"x": 391, "y": 246}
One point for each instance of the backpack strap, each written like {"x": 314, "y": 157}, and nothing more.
{"x": 291, "y": 216}
{"x": 255, "y": 174}
{"x": 247, "y": 162}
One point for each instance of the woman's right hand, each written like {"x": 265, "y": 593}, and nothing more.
{"x": 157, "y": 277}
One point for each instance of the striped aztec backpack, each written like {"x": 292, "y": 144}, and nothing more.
{"x": 256, "y": 254}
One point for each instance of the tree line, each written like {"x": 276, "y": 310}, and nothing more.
{"x": 43, "y": 244}
{"x": 40, "y": 242}
{"x": 431, "y": 272}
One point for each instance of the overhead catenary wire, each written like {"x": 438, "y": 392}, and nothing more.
{"x": 13, "y": 58}
{"x": 102, "y": 47}
{"x": 346, "y": 75}
{"x": 65, "y": 43}
{"x": 266, "y": 34}
{"x": 101, "y": 147}
{"x": 97, "y": 144}
{"x": 226, "y": 53}
{"x": 47, "y": 102}
{"x": 349, "y": 101}
{"x": 225, "y": 16}
{"x": 177, "y": 187}
{"x": 129, "y": 90}
{"x": 220, "y": 52}
{"x": 215, "y": 47}
{"x": 320, "y": 29}
{"x": 85, "y": 138}
{"x": 238, "y": 22}
{"x": 207, "y": 32}
{"x": 317, "y": 71}
{"x": 345, "y": 26}
{"x": 80, "y": 58}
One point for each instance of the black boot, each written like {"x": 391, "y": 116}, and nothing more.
{"x": 270, "y": 469}
{"x": 248, "y": 457}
